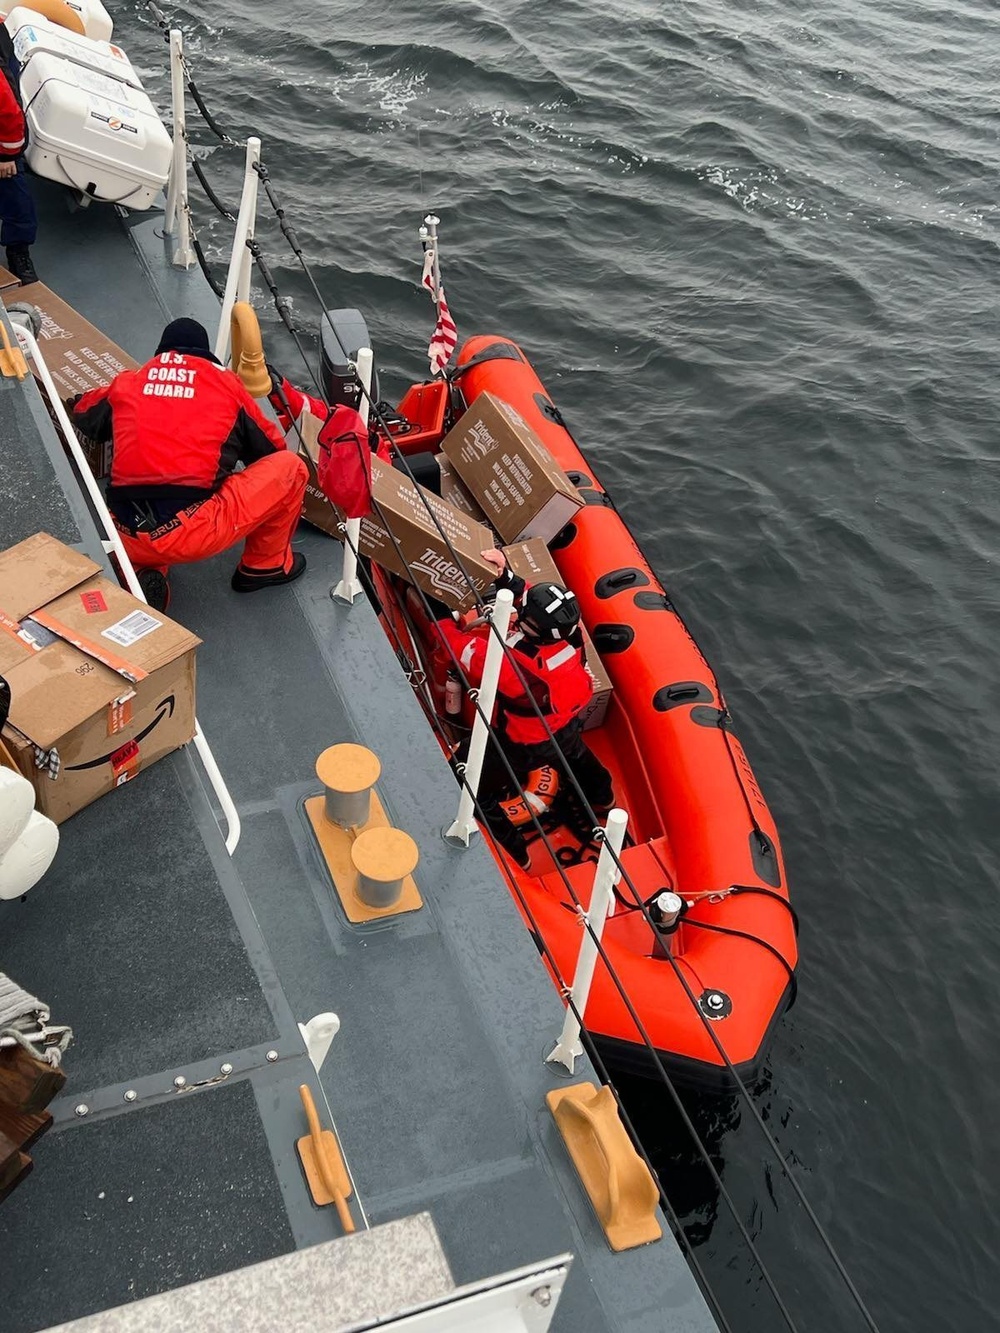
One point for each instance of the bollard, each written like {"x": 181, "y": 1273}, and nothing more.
{"x": 348, "y": 772}
{"x": 383, "y": 857}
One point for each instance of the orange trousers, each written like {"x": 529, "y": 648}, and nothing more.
{"x": 260, "y": 505}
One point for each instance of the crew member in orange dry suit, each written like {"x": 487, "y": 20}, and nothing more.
{"x": 179, "y": 425}
{"x": 546, "y": 643}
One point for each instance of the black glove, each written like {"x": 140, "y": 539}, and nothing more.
{"x": 508, "y": 579}
{"x": 70, "y": 403}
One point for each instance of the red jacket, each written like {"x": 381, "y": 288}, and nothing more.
{"x": 179, "y": 425}
{"x": 13, "y": 131}
{"x": 557, "y": 677}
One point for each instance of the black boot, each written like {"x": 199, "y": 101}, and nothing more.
{"x": 19, "y": 263}
{"x": 155, "y": 588}
{"x": 249, "y": 580}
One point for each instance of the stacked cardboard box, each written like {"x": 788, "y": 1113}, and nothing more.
{"x": 509, "y": 472}
{"x": 101, "y": 687}
{"x": 531, "y": 560}
{"x": 78, "y": 355}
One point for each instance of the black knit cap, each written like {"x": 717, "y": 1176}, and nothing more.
{"x": 187, "y": 337}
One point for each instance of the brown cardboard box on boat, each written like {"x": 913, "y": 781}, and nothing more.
{"x": 404, "y": 508}
{"x": 101, "y": 687}
{"x": 456, "y": 493}
{"x": 7, "y": 279}
{"x": 509, "y": 472}
{"x": 78, "y": 355}
{"x": 532, "y": 561}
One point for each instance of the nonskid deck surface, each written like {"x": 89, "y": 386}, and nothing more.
{"x": 170, "y": 959}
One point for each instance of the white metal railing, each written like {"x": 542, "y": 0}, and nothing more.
{"x": 568, "y": 1048}
{"x": 349, "y": 586}
{"x": 177, "y": 212}
{"x": 113, "y": 543}
{"x": 459, "y": 833}
{"x": 241, "y": 260}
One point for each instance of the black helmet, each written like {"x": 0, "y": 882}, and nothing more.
{"x": 550, "y": 611}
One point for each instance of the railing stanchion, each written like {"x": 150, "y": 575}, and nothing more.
{"x": 462, "y": 829}
{"x": 241, "y": 261}
{"x": 177, "y": 191}
{"x": 349, "y": 586}
{"x": 569, "y": 1047}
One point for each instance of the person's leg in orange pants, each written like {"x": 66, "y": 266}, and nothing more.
{"x": 260, "y": 505}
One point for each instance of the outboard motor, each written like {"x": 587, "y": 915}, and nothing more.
{"x": 342, "y": 334}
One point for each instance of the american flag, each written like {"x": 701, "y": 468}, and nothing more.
{"x": 444, "y": 339}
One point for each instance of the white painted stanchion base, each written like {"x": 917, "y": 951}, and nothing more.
{"x": 459, "y": 834}
{"x": 566, "y": 1056}
{"x": 183, "y": 258}
{"x": 318, "y": 1035}
{"x": 346, "y": 591}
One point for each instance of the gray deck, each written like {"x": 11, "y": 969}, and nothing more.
{"x": 169, "y": 958}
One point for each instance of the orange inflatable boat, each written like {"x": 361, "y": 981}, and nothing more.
{"x": 698, "y": 823}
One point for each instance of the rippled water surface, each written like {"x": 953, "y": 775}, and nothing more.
{"x": 752, "y": 250}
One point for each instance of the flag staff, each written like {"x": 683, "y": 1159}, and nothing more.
{"x": 429, "y": 236}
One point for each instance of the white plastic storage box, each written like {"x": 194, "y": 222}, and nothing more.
{"x": 32, "y": 35}
{"x": 95, "y": 18}
{"x": 94, "y": 133}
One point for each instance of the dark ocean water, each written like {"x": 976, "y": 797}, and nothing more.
{"x": 752, "y": 250}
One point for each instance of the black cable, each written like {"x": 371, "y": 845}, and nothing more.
{"x": 284, "y": 310}
{"x": 754, "y": 939}
{"x": 210, "y": 120}
{"x": 213, "y": 198}
{"x": 205, "y": 267}
{"x": 740, "y": 889}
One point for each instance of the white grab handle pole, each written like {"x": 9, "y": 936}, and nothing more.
{"x": 349, "y": 586}
{"x": 607, "y": 875}
{"x": 238, "y": 277}
{"x": 465, "y": 822}
{"x": 177, "y": 190}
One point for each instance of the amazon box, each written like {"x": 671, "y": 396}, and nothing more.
{"x": 509, "y": 472}
{"x": 101, "y": 686}
{"x": 532, "y": 561}
{"x": 79, "y": 356}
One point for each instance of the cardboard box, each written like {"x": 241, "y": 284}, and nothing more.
{"x": 101, "y": 687}
{"x": 457, "y": 494}
{"x": 532, "y": 561}
{"x": 7, "y": 279}
{"x": 431, "y": 564}
{"x": 77, "y": 354}
{"x": 403, "y": 505}
{"x": 523, "y": 491}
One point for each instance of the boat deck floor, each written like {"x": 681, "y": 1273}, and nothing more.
{"x": 171, "y": 959}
